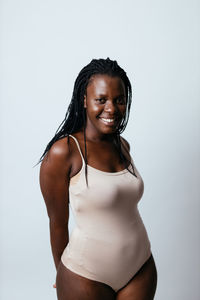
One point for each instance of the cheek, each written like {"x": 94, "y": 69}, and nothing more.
{"x": 94, "y": 109}
{"x": 122, "y": 110}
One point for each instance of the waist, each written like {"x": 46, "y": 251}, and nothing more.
{"x": 115, "y": 233}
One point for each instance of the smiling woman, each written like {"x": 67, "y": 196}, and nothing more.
{"x": 102, "y": 97}
{"x": 108, "y": 254}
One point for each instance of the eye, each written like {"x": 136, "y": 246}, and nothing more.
{"x": 121, "y": 101}
{"x": 100, "y": 100}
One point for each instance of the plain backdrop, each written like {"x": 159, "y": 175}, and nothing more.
{"x": 44, "y": 45}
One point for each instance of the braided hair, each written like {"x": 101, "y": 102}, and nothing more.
{"x": 75, "y": 117}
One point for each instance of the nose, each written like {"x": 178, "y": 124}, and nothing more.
{"x": 110, "y": 106}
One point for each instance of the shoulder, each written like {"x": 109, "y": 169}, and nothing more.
{"x": 126, "y": 143}
{"x": 58, "y": 158}
{"x": 60, "y": 148}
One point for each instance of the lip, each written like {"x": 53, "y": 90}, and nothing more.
{"x": 109, "y": 123}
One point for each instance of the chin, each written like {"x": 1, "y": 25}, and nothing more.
{"x": 108, "y": 130}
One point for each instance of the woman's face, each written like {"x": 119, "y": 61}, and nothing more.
{"x": 105, "y": 103}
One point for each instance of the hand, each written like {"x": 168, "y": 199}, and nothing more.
{"x": 54, "y": 285}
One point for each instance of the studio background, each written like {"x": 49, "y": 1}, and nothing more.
{"x": 44, "y": 45}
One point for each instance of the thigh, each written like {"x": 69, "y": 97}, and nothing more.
{"x": 143, "y": 285}
{"x": 71, "y": 286}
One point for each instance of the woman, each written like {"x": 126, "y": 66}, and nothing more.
{"x": 88, "y": 165}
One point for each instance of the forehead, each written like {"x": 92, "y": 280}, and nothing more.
{"x": 105, "y": 84}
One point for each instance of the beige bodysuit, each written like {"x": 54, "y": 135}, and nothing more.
{"x": 109, "y": 243}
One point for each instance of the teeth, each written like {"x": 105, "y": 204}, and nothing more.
{"x": 107, "y": 120}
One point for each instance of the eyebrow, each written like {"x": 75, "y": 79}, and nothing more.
{"x": 103, "y": 95}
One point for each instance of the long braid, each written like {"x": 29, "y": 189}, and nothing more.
{"x": 75, "y": 117}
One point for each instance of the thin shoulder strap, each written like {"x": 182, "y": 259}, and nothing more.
{"x": 127, "y": 150}
{"x": 78, "y": 146}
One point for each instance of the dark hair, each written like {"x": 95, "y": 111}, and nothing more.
{"x": 75, "y": 117}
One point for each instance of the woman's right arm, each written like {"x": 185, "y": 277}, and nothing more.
{"x": 54, "y": 183}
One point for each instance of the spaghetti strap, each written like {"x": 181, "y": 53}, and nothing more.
{"x": 78, "y": 146}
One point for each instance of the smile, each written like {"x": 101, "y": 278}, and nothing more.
{"x": 108, "y": 121}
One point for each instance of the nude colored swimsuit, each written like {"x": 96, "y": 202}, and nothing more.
{"x": 109, "y": 243}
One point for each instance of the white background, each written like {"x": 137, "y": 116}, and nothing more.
{"x": 44, "y": 45}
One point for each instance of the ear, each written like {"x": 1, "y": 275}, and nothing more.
{"x": 85, "y": 104}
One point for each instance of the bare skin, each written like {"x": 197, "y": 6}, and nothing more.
{"x": 141, "y": 287}
{"x": 62, "y": 163}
